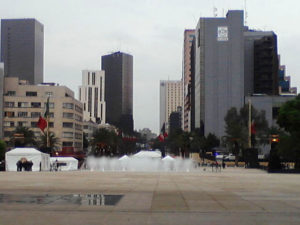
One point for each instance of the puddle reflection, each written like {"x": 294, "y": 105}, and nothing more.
{"x": 75, "y": 199}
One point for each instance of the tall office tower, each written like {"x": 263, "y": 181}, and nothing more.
{"x": 266, "y": 66}
{"x": 22, "y": 49}
{"x": 92, "y": 94}
{"x": 219, "y": 70}
{"x": 189, "y": 35}
{"x": 118, "y": 69}
{"x": 1, "y": 98}
{"x": 170, "y": 99}
{"x": 253, "y": 78}
{"x": 285, "y": 82}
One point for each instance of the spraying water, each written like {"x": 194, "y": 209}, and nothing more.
{"x": 126, "y": 163}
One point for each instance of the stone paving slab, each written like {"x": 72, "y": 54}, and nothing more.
{"x": 234, "y": 196}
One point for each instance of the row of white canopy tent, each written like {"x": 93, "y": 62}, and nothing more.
{"x": 41, "y": 161}
{"x": 148, "y": 154}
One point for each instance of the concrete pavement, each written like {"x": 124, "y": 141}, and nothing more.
{"x": 234, "y": 196}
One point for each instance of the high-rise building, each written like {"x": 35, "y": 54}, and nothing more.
{"x": 92, "y": 95}
{"x": 22, "y": 49}
{"x": 25, "y": 103}
{"x": 250, "y": 37}
{"x": 1, "y": 98}
{"x": 219, "y": 70}
{"x": 189, "y": 35}
{"x": 170, "y": 99}
{"x": 266, "y": 66}
{"x": 118, "y": 69}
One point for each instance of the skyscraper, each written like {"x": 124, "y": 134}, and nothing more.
{"x": 189, "y": 35}
{"x": 1, "y": 98}
{"x": 22, "y": 49}
{"x": 219, "y": 70}
{"x": 92, "y": 94}
{"x": 170, "y": 99}
{"x": 118, "y": 69}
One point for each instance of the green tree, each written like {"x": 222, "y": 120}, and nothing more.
{"x": 23, "y": 137}
{"x": 289, "y": 120}
{"x": 236, "y": 129}
{"x": 2, "y": 150}
{"x": 53, "y": 143}
{"x": 105, "y": 142}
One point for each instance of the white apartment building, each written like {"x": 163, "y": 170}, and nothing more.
{"x": 91, "y": 94}
{"x": 170, "y": 99}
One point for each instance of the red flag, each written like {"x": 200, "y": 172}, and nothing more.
{"x": 161, "y": 138}
{"x": 42, "y": 123}
{"x": 253, "y": 130}
{"x": 165, "y": 134}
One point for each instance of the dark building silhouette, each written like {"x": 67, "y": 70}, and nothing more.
{"x": 174, "y": 121}
{"x": 266, "y": 66}
{"x": 22, "y": 49}
{"x": 118, "y": 69}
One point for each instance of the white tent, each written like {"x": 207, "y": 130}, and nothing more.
{"x": 168, "y": 158}
{"x": 65, "y": 163}
{"x": 147, "y": 154}
{"x": 124, "y": 157}
{"x": 38, "y": 159}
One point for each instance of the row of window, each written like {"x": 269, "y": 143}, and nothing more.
{"x": 38, "y": 105}
{"x": 34, "y": 124}
{"x": 25, "y": 114}
{"x": 64, "y": 135}
{"x": 29, "y": 93}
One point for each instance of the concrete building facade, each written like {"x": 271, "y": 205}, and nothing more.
{"x": 170, "y": 99}
{"x": 189, "y": 35}
{"x": 22, "y": 49}
{"x": 24, "y": 103}
{"x": 92, "y": 95}
{"x": 118, "y": 69}
{"x": 1, "y": 98}
{"x": 219, "y": 70}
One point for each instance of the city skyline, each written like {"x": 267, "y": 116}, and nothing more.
{"x": 151, "y": 31}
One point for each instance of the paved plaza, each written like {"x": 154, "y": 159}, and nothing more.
{"x": 233, "y": 196}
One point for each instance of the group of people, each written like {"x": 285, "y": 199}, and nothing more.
{"x": 24, "y": 165}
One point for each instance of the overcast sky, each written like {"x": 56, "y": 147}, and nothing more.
{"x": 79, "y": 32}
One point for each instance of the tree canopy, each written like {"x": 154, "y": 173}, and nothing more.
{"x": 23, "y": 137}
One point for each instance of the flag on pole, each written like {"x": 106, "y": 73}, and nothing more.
{"x": 47, "y": 109}
{"x": 253, "y": 130}
{"x": 42, "y": 123}
{"x": 163, "y": 134}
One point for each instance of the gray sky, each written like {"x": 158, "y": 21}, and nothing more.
{"x": 79, "y": 32}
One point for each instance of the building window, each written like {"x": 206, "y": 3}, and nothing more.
{"x": 78, "y": 126}
{"x": 35, "y": 114}
{"x": 67, "y": 144}
{"x": 93, "y": 78}
{"x": 51, "y": 115}
{"x": 23, "y": 104}
{"x": 78, "y": 144}
{"x": 31, "y": 93}
{"x": 9, "y": 104}
{"x": 22, "y": 114}
{"x": 7, "y": 133}
{"x": 78, "y": 108}
{"x": 68, "y": 125}
{"x": 51, "y": 105}
{"x": 78, "y": 118}
{"x": 34, "y": 124}
{"x": 9, "y": 114}
{"x": 48, "y": 93}
{"x": 11, "y": 93}
{"x": 35, "y": 105}
{"x": 9, "y": 124}
{"x": 78, "y": 136}
{"x": 51, "y": 124}
{"x": 67, "y": 135}
{"x": 22, "y": 124}
{"x": 68, "y": 115}
{"x": 68, "y": 105}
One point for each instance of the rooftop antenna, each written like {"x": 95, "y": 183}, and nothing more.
{"x": 215, "y": 11}
{"x": 246, "y": 13}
